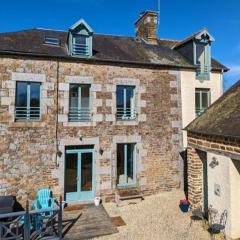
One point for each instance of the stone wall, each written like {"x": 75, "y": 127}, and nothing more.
{"x": 195, "y": 176}
{"x": 228, "y": 146}
{"x": 28, "y": 149}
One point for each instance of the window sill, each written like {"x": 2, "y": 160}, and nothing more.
{"x": 28, "y": 124}
{"x": 127, "y": 122}
{"x": 133, "y": 185}
{"x": 79, "y": 124}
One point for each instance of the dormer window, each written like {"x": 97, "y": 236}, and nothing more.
{"x": 202, "y": 55}
{"x": 80, "y": 39}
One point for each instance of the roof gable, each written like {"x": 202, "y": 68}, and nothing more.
{"x": 196, "y": 36}
{"x": 204, "y": 34}
{"x": 81, "y": 25}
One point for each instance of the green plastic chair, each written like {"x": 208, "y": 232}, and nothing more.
{"x": 44, "y": 200}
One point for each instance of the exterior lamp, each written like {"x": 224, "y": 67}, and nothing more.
{"x": 101, "y": 151}
{"x": 213, "y": 163}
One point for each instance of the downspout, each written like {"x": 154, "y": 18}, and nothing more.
{"x": 221, "y": 79}
{"x": 56, "y": 133}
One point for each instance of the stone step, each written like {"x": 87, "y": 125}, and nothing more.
{"x": 128, "y": 196}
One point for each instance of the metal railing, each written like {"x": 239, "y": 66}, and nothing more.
{"x": 31, "y": 225}
{"x": 79, "y": 115}
{"x": 203, "y": 73}
{"x": 126, "y": 114}
{"x": 80, "y": 49}
{"x": 27, "y": 113}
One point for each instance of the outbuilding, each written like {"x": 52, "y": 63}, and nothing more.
{"x": 214, "y": 159}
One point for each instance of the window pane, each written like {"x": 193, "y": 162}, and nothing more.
{"x": 129, "y": 97}
{"x": 71, "y": 173}
{"x": 35, "y": 95}
{"x": 120, "y": 164}
{"x": 120, "y": 97}
{"x": 73, "y": 94}
{"x": 197, "y": 100}
{"x": 86, "y": 172}
{"x": 200, "y": 49}
{"x": 205, "y": 100}
{"x": 34, "y": 100}
{"x": 85, "y": 96}
{"x": 21, "y": 94}
{"x": 130, "y": 163}
{"x": 80, "y": 39}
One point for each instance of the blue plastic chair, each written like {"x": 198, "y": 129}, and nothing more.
{"x": 44, "y": 200}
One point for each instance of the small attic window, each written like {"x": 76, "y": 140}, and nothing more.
{"x": 51, "y": 41}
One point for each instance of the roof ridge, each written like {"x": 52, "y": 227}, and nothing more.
{"x": 49, "y": 29}
{"x": 168, "y": 39}
{"x": 23, "y": 30}
{"x": 121, "y": 36}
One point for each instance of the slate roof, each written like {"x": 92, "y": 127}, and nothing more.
{"x": 222, "y": 118}
{"x": 105, "y": 48}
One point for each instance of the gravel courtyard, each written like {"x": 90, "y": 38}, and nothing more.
{"x": 157, "y": 217}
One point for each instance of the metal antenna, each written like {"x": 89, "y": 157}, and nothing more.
{"x": 158, "y": 11}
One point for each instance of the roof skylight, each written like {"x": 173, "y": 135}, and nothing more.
{"x": 52, "y": 41}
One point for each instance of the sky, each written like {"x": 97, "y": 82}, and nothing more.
{"x": 178, "y": 19}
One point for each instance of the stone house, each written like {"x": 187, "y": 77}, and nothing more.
{"x": 214, "y": 159}
{"x": 88, "y": 114}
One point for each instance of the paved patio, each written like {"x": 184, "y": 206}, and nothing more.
{"x": 157, "y": 217}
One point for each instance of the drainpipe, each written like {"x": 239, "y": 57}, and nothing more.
{"x": 221, "y": 79}
{"x": 56, "y": 133}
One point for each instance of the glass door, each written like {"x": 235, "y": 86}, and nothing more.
{"x": 79, "y": 179}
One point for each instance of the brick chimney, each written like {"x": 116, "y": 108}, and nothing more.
{"x": 146, "y": 27}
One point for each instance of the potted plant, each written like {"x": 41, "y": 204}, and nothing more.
{"x": 184, "y": 205}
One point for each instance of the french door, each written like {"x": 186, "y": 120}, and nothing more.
{"x": 79, "y": 174}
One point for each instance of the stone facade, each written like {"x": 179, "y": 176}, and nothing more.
{"x": 28, "y": 150}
